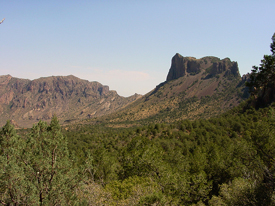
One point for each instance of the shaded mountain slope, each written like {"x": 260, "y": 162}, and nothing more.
{"x": 69, "y": 97}
{"x": 194, "y": 88}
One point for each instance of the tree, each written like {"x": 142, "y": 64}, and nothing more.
{"x": 49, "y": 166}
{"x": 13, "y": 185}
{"x": 39, "y": 172}
{"x": 263, "y": 76}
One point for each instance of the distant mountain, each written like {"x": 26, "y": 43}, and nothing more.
{"x": 194, "y": 88}
{"x": 70, "y": 98}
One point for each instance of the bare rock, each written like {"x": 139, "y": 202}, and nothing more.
{"x": 66, "y": 96}
{"x": 182, "y": 66}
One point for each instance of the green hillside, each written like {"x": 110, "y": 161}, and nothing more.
{"x": 226, "y": 160}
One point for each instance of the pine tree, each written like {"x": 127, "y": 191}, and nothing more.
{"x": 50, "y": 168}
{"x": 13, "y": 185}
{"x": 263, "y": 76}
{"x": 37, "y": 170}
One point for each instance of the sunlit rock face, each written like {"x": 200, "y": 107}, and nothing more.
{"x": 68, "y": 97}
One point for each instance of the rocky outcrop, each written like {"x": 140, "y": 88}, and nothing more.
{"x": 68, "y": 97}
{"x": 178, "y": 68}
{"x": 182, "y": 66}
{"x": 195, "y": 88}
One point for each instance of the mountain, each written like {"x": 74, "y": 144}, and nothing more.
{"x": 193, "y": 88}
{"x": 70, "y": 98}
{"x": 212, "y": 66}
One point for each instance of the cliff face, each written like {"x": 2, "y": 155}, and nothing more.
{"x": 195, "y": 88}
{"x": 69, "y": 97}
{"x": 182, "y": 66}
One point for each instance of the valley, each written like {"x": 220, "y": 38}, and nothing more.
{"x": 205, "y": 136}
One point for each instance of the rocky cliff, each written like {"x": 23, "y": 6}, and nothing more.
{"x": 194, "y": 88}
{"x": 182, "y": 66}
{"x": 70, "y": 98}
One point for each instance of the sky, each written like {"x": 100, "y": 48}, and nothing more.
{"x": 128, "y": 45}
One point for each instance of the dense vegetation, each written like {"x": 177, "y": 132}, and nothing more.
{"x": 226, "y": 160}
{"x": 37, "y": 168}
{"x": 261, "y": 84}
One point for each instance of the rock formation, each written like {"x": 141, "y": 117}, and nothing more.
{"x": 194, "y": 88}
{"x": 182, "y": 66}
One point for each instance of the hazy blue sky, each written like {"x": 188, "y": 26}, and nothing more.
{"x": 128, "y": 45}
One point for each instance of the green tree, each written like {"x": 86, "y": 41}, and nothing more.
{"x": 238, "y": 192}
{"x": 39, "y": 169}
{"x": 49, "y": 166}
{"x": 263, "y": 76}
{"x": 13, "y": 185}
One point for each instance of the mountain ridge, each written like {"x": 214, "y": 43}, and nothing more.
{"x": 193, "y": 88}
{"x": 69, "y": 97}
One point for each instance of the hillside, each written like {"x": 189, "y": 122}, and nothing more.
{"x": 194, "y": 88}
{"x": 26, "y": 102}
{"x": 225, "y": 160}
